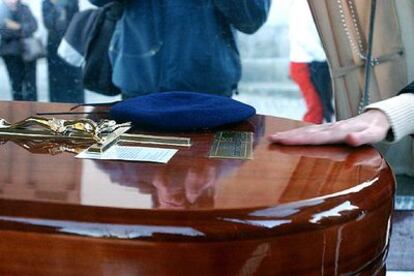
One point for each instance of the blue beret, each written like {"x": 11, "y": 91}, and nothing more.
{"x": 180, "y": 111}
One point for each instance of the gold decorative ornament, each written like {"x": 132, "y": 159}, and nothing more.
{"x": 74, "y": 129}
{"x": 103, "y": 134}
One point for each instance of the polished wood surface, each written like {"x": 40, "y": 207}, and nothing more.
{"x": 291, "y": 210}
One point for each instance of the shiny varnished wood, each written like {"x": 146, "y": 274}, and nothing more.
{"x": 291, "y": 210}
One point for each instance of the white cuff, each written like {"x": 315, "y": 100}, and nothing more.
{"x": 400, "y": 114}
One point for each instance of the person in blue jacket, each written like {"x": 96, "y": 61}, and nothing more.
{"x": 65, "y": 81}
{"x": 181, "y": 45}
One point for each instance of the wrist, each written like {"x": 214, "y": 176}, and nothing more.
{"x": 400, "y": 114}
{"x": 380, "y": 120}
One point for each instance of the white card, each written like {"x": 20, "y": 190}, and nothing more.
{"x": 143, "y": 154}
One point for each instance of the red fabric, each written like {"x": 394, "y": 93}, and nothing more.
{"x": 300, "y": 74}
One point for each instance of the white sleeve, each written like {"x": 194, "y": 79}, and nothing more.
{"x": 400, "y": 113}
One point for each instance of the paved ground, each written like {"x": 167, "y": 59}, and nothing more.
{"x": 401, "y": 251}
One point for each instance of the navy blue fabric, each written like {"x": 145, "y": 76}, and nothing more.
{"x": 180, "y": 111}
{"x": 181, "y": 45}
{"x": 321, "y": 79}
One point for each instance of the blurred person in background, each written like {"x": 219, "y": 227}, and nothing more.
{"x": 308, "y": 65}
{"x": 16, "y": 23}
{"x": 65, "y": 81}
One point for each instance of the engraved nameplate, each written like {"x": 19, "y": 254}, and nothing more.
{"x": 156, "y": 140}
{"x": 233, "y": 145}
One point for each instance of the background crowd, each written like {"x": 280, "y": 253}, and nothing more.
{"x": 17, "y": 28}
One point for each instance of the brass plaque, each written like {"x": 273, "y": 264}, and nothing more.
{"x": 233, "y": 145}
{"x": 156, "y": 140}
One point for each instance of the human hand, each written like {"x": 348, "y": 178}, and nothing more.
{"x": 367, "y": 128}
{"x": 12, "y": 25}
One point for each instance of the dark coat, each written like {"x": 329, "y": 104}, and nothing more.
{"x": 181, "y": 45}
{"x": 65, "y": 81}
{"x": 56, "y": 19}
{"x": 11, "y": 39}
